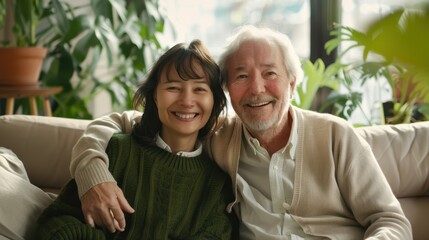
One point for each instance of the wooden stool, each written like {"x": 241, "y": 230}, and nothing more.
{"x": 10, "y": 93}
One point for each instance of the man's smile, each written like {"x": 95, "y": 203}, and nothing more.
{"x": 261, "y": 104}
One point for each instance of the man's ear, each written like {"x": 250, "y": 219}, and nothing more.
{"x": 292, "y": 87}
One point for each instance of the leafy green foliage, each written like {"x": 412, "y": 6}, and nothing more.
{"x": 3, "y": 13}
{"x": 98, "y": 46}
{"x": 315, "y": 77}
{"x": 27, "y": 15}
{"x": 78, "y": 37}
{"x": 400, "y": 39}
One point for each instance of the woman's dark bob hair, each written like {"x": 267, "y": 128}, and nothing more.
{"x": 183, "y": 58}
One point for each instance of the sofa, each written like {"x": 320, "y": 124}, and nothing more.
{"x": 44, "y": 145}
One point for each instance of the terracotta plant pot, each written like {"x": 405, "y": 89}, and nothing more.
{"x": 20, "y": 66}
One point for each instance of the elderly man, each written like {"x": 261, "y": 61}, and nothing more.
{"x": 296, "y": 174}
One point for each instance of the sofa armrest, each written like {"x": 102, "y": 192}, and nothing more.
{"x": 43, "y": 144}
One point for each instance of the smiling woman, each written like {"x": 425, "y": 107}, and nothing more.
{"x": 174, "y": 189}
{"x": 184, "y": 105}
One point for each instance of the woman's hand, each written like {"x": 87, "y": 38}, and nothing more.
{"x": 104, "y": 205}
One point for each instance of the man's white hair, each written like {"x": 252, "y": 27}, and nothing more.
{"x": 252, "y": 33}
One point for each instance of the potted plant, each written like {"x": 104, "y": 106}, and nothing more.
{"x": 399, "y": 40}
{"x": 104, "y": 48}
{"x": 21, "y": 58}
{"x": 120, "y": 34}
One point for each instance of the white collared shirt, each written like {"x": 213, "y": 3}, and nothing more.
{"x": 198, "y": 147}
{"x": 266, "y": 186}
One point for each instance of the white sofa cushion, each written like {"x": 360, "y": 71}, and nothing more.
{"x": 37, "y": 140}
{"x": 408, "y": 146}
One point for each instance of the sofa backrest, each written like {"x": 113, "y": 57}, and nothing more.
{"x": 43, "y": 144}
{"x": 402, "y": 152}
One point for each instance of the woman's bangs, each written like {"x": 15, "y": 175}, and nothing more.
{"x": 190, "y": 68}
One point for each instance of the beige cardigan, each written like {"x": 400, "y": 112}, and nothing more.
{"x": 340, "y": 191}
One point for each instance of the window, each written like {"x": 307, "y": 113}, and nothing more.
{"x": 213, "y": 21}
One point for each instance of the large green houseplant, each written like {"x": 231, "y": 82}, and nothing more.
{"x": 333, "y": 77}
{"x": 78, "y": 37}
{"x": 26, "y": 15}
{"x": 399, "y": 40}
{"x": 21, "y": 58}
{"x": 122, "y": 34}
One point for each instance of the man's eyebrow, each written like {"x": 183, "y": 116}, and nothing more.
{"x": 239, "y": 68}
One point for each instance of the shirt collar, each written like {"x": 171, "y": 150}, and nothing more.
{"x": 161, "y": 144}
{"x": 290, "y": 146}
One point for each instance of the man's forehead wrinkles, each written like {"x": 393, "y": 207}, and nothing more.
{"x": 262, "y": 65}
{"x": 267, "y": 65}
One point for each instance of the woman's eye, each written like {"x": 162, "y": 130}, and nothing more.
{"x": 173, "y": 89}
{"x": 201, "y": 90}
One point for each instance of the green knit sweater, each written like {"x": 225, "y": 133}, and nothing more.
{"x": 174, "y": 197}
